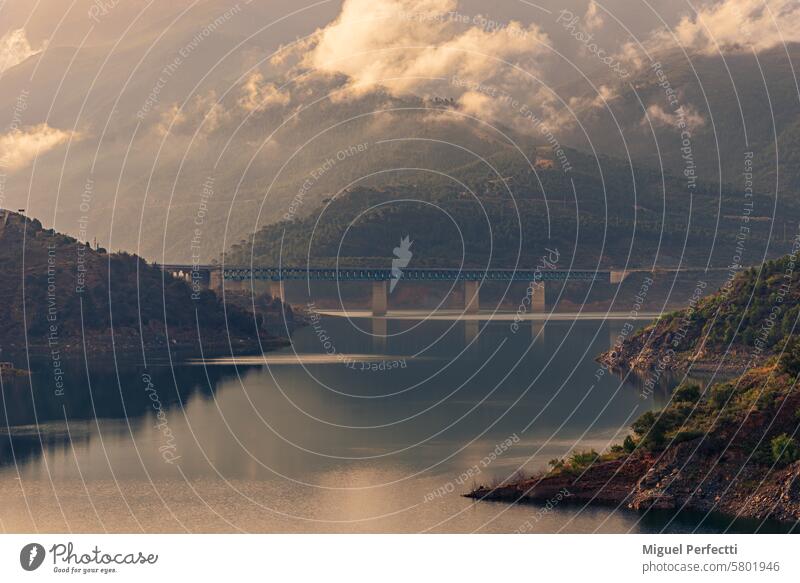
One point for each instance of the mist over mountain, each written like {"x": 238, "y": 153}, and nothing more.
{"x": 508, "y": 210}
{"x": 178, "y": 132}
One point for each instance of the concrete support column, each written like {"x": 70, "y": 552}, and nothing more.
{"x": 472, "y": 304}
{"x": 277, "y": 290}
{"x": 618, "y": 276}
{"x": 215, "y": 280}
{"x": 538, "y": 297}
{"x": 380, "y": 298}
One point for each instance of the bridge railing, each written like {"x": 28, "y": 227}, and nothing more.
{"x": 417, "y": 274}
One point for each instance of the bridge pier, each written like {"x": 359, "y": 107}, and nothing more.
{"x": 380, "y": 298}
{"x": 618, "y": 275}
{"x": 277, "y": 290}
{"x": 538, "y": 297}
{"x": 201, "y": 280}
{"x": 215, "y": 279}
{"x": 472, "y": 304}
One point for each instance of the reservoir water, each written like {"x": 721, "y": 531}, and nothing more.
{"x": 361, "y": 426}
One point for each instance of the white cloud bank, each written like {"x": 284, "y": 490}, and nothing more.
{"x": 738, "y": 25}
{"x": 687, "y": 117}
{"x": 15, "y": 48}
{"x": 407, "y": 46}
{"x": 20, "y": 147}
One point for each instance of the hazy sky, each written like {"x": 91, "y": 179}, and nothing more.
{"x": 27, "y": 26}
{"x": 404, "y": 46}
{"x": 65, "y": 22}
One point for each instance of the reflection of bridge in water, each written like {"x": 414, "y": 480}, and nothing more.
{"x": 271, "y": 279}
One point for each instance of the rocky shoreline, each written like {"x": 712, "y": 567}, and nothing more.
{"x": 726, "y": 449}
{"x": 654, "y": 350}
{"x": 100, "y": 344}
{"x": 644, "y": 482}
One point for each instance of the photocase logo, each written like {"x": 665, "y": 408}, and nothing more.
{"x": 402, "y": 256}
{"x": 31, "y": 556}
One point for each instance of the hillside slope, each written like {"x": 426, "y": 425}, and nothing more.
{"x": 503, "y": 211}
{"x": 730, "y": 449}
{"x": 59, "y": 294}
{"x": 751, "y": 319}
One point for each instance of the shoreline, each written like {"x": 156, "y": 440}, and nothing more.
{"x": 644, "y": 483}
{"x": 95, "y": 346}
{"x": 725, "y": 448}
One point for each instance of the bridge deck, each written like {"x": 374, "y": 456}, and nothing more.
{"x": 416, "y": 274}
{"x": 245, "y": 273}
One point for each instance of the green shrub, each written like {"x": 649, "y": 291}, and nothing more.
{"x": 688, "y": 393}
{"x": 784, "y": 450}
{"x": 766, "y": 399}
{"x": 651, "y": 428}
{"x": 790, "y": 360}
{"x": 687, "y": 435}
{"x": 628, "y": 445}
{"x": 762, "y": 456}
{"x": 582, "y": 459}
{"x": 644, "y": 423}
{"x": 721, "y": 394}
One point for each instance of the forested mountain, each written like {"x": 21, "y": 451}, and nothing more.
{"x": 60, "y": 294}
{"x": 505, "y": 210}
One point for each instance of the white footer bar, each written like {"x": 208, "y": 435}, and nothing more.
{"x": 400, "y": 558}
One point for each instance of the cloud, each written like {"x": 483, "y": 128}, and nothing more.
{"x": 203, "y": 114}
{"x": 631, "y": 54}
{"x": 15, "y": 48}
{"x": 20, "y": 147}
{"x": 721, "y": 25}
{"x": 605, "y": 94}
{"x": 593, "y": 17}
{"x": 687, "y": 115}
{"x": 412, "y": 46}
{"x": 738, "y": 25}
{"x": 490, "y": 69}
{"x": 477, "y": 104}
{"x": 258, "y": 95}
